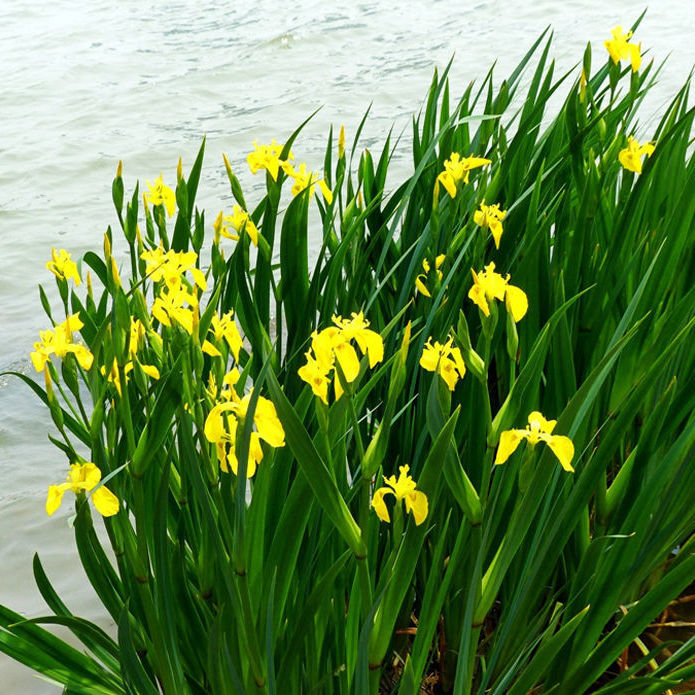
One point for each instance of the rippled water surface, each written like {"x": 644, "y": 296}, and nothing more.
{"x": 86, "y": 84}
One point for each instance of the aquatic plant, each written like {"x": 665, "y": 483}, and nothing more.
{"x": 302, "y": 491}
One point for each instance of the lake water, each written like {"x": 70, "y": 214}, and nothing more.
{"x": 86, "y": 84}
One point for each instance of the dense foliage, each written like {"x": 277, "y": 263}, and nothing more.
{"x": 413, "y": 516}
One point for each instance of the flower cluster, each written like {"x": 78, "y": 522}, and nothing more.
{"x": 222, "y": 422}
{"x": 59, "y": 342}
{"x": 457, "y": 170}
{"x": 619, "y": 47}
{"x": 332, "y": 345}
{"x": 488, "y": 285}
{"x": 444, "y": 359}
{"x": 402, "y": 488}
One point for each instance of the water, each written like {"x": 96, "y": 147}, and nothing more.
{"x": 87, "y": 84}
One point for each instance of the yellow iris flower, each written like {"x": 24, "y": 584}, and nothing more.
{"x": 83, "y": 478}
{"x": 539, "y": 430}
{"x": 169, "y": 306}
{"x": 231, "y": 226}
{"x": 59, "y": 342}
{"x": 457, "y": 170}
{"x": 421, "y": 279}
{"x": 304, "y": 179}
{"x": 631, "y": 156}
{"x": 170, "y": 266}
{"x": 491, "y": 216}
{"x": 221, "y": 426}
{"x": 314, "y": 374}
{"x": 488, "y": 285}
{"x": 402, "y": 488}
{"x": 161, "y": 194}
{"x": 224, "y": 327}
{"x": 446, "y": 360}
{"x": 619, "y": 47}
{"x": 62, "y": 266}
{"x": 266, "y": 157}
{"x": 333, "y": 345}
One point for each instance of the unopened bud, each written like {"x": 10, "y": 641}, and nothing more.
{"x": 341, "y": 142}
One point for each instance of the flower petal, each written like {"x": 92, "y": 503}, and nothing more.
{"x": 105, "y": 501}
{"x": 379, "y": 505}
{"x": 416, "y": 504}
{"x": 563, "y": 448}
{"x": 54, "y": 498}
{"x": 509, "y": 441}
{"x": 517, "y": 302}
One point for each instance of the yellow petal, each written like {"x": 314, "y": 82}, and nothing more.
{"x": 210, "y": 349}
{"x": 496, "y": 230}
{"x": 546, "y": 426}
{"x": 348, "y": 361}
{"x": 420, "y": 285}
{"x": 54, "y": 498}
{"x": 509, "y": 441}
{"x": 199, "y": 278}
{"x": 214, "y": 426}
{"x": 105, "y": 501}
{"x": 448, "y": 182}
{"x": 563, "y": 448}
{"x": 327, "y": 193}
{"x": 379, "y": 505}
{"x": 477, "y": 295}
{"x": 370, "y": 342}
{"x": 90, "y": 476}
{"x": 150, "y": 370}
{"x": 635, "y": 57}
{"x": 517, "y": 302}
{"x": 429, "y": 357}
{"x": 448, "y": 372}
{"x": 416, "y": 504}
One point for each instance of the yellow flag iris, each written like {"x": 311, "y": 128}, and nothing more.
{"x": 160, "y": 194}
{"x": 62, "y": 266}
{"x": 224, "y": 327}
{"x": 83, "y": 478}
{"x": 491, "y": 216}
{"x": 631, "y": 156}
{"x": 402, "y": 488}
{"x": 618, "y": 47}
{"x": 333, "y": 345}
{"x": 221, "y": 427}
{"x": 304, "y": 179}
{"x": 489, "y": 285}
{"x": 457, "y": 169}
{"x": 231, "y": 226}
{"x": 266, "y": 157}
{"x": 446, "y": 360}
{"x": 59, "y": 342}
{"x": 539, "y": 430}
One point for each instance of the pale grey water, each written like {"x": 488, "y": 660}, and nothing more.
{"x": 86, "y": 84}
